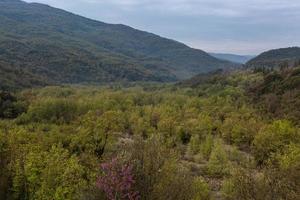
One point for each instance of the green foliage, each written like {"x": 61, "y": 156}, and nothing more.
{"x": 202, "y": 190}
{"x": 273, "y": 139}
{"x": 10, "y": 106}
{"x": 194, "y": 145}
{"x": 53, "y": 111}
{"x": 218, "y": 164}
{"x": 283, "y": 57}
{"x": 240, "y": 131}
{"x": 290, "y": 158}
{"x": 244, "y": 184}
{"x": 151, "y": 160}
{"x": 269, "y": 184}
{"x": 207, "y": 146}
{"x": 43, "y": 175}
{"x": 278, "y": 94}
{"x": 60, "y": 47}
{"x": 4, "y": 157}
{"x": 182, "y": 143}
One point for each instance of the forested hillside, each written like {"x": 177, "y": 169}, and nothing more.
{"x": 276, "y": 58}
{"x": 213, "y": 140}
{"x": 15, "y": 77}
{"x": 60, "y": 47}
{"x": 279, "y": 93}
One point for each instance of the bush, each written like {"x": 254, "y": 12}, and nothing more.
{"x": 194, "y": 144}
{"x": 218, "y": 164}
{"x": 52, "y": 111}
{"x": 240, "y": 131}
{"x": 244, "y": 185}
{"x": 10, "y": 106}
{"x": 273, "y": 139}
{"x": 201, "y": 189}
{"x": 117, "y": 181}
{"x": 157, "y": 171}
{"x": 53, "y": 174}
{"x": 207, "y": 146}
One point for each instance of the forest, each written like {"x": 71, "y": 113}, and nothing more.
{"x": 232, "y": 136}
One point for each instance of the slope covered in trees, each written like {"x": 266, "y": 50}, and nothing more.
{"x": 279, "y": 93}
{"x": 61, "y": 47}
{"x": 276, "y": 58}
{"x": 208, "y": 141}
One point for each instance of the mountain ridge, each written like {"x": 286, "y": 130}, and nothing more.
{"x": 276, "y": 57}
{"x": 63, "y": 47}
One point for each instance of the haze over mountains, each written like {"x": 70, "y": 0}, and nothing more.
{"x": 48, "y": 45}
{"x": 242, "y": 59}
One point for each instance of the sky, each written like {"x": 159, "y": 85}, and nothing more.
{"x": 245, "y": 27}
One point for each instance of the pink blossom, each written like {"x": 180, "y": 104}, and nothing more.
{"x": 117, "y": 181}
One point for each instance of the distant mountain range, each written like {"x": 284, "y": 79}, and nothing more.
{"x": 42, "y": 45}
{"x": 276, "y": 58}
{"x": 242, "y": 59}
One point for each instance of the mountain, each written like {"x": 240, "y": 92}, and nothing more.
{"x": 56, "y": 46}
{"x": 242, "y": 59}
{"x": 277, "y": 57}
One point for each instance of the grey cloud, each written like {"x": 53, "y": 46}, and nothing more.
{"x": 250, "y": 26}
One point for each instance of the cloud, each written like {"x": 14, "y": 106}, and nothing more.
{"x": 193, "y": 7}
{"x": 207, "y": 24}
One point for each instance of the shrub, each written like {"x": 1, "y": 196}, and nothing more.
{"x": 52, "y": 111}
{"x": 207, "y": 146}
{"x": 117, "y": 181}
{"x": 245, "y": 185}
{"x": 10, "y": 106}
{"x": 53, "y": 174}
{"x": 194, "y": 144}
{"x": 201, "y": 189}
{"x": 218, "y": 164}
{"x": 240, "y": 131}
{"x": 158, "y": 172}
{"x": 273, "y": 139}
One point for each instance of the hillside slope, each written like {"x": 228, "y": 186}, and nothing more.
{"x": 279, "y": 93}
{"x": 277, "y": 57}
{"x": 62, "y": 47}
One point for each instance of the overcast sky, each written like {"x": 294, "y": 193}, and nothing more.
{"x": 227, "y": 26}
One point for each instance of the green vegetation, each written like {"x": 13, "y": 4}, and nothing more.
{"x": 278, "y": 94}
{"x": 47, "y": 46}
{"x": 276, "y": 58}
{"x": 207, "y": 141}
{"x": 11, "y": 106}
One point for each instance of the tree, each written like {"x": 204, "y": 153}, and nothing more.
{"x": 49, "y": 175}
{"x": 117, "y": 181}
{"x": 218, "y": 164}
{"x": 10, "y": 106}
{"x": 273, "y": 139}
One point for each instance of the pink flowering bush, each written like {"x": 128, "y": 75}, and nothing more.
{"x": 117, "y": 181}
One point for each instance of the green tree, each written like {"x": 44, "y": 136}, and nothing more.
{"x": 218, "y": 164}
{"x": 273, "y": 139}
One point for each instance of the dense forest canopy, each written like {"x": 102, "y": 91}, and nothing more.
{"x": 215, "y": 138}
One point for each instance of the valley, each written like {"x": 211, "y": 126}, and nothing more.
{"x": 98, "y": 111}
